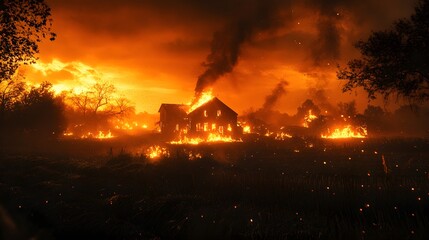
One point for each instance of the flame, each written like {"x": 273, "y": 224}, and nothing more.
{"x": 99, "y": 135}
{"x": 308, "y": 118}
{"x": 218, "y": 138}
{"x": 202, "y": 99}
{"x": 68, "y": 134}
{"x": 212, "y": 137}
{"x": 282, "y": 136}
{"x": 156, "y": 152}
{"x": 129, "y": 126}
{"x": 190, "y": 141}
{"x": 246, "y": 129}
{"x": 347, "y": 132}
{"x": 268, "y": 133}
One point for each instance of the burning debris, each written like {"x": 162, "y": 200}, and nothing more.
{"x": 210, "y": 138}
{"x": 154, "y": 153}
{"x": 282, "y": 136}
{"x": 347, "y": 132}
{"x": 246, "y": 128}
{"x": 308, "y": 118}
{"x": 90, "y": 135}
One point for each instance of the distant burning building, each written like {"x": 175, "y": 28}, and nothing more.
{"x": 212, "y": 117}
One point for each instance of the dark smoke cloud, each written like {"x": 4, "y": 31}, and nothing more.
{"x": 272, "y": 99}
{"x": 266, "y": 114}
{"x": 226, "y": 44}
{"x": 265, "y": 15}
{"x": 261, "y": 16}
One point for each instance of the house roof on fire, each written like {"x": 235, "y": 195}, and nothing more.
{"x": 182, "y": 109}
{"x": 215, "y": 101}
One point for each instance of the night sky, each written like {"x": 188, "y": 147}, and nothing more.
{"x": 155, "y": 51}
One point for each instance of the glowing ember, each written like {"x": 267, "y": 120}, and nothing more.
{"x": 308, "y": 118}
{"x": 194, "y": 156}
{"x": 186, "y": 140}
{"x": 212, "y": 137}
{"x": 68, "y": 134}
{"x": 155, "y": 152}
{"x": 268, "y": 133}
{"x": 203, "y": 98}
{"x": 282, "y": 136}
{"x": 347, "y": 132}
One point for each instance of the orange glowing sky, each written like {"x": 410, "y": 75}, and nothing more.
{"x": 153, "y": 50}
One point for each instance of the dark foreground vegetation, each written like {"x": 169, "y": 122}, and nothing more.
{"x": 295, "y": 189}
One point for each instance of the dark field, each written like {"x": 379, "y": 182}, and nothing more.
{"x": 265, "y": 189}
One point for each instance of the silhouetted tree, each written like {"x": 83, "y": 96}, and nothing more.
{"x": 34, "y": 111}
{"x": 347, "y": 109}
{"x": 10, "y": 93}
{"x": 411, "y": 120}
{"x": 395, "y": 61}
{"x": 40, "y": 112}
{"x": 100, "y": 99}
{"x": 375, "y": 119}
{"x": 95, "y": 107}
{"x": 373, "y": 112}
{"x": 23, "y": 24}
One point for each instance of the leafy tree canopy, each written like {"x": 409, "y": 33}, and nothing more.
{"x": 395, "y": 61}
{"x": 23, "y": 25}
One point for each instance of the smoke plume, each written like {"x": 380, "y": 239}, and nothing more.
{"x": 226, "y": 44}
{"x": 248, "y": 18}
{"x": 320, "y": 98}
{"x": 272, "y": 99}
{"x": 265, "y": 114}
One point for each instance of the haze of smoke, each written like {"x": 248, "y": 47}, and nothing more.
{"x": 255, "y": 16}
{"x": 320, "y": 99}
{"x": 327, "y": 45}
{"x": 265, "y": 114}
{"x": 261, "y": 16}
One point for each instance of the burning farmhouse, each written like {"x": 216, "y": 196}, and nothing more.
{"x": 207, "y": 120}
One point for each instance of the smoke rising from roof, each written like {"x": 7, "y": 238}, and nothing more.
{"x": 226, "y": 44}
